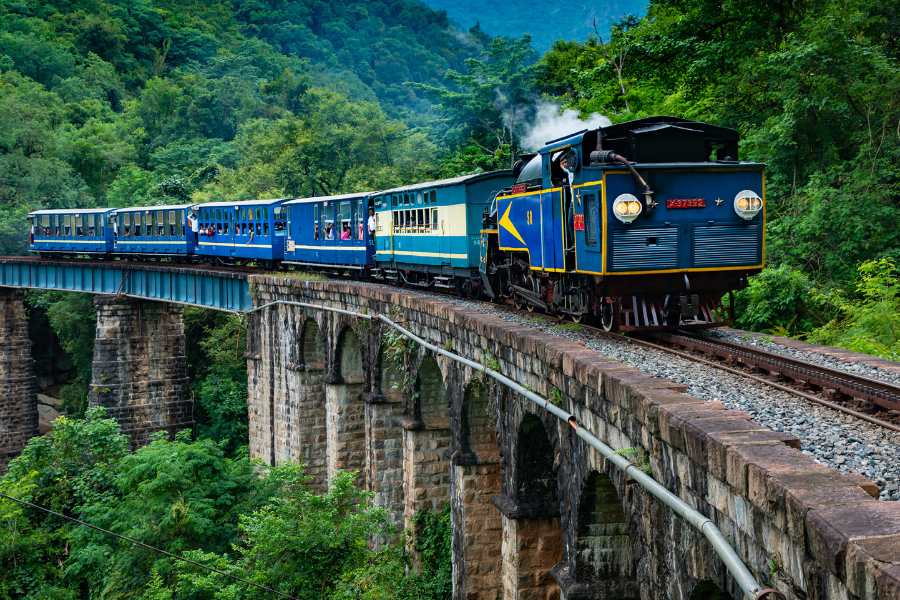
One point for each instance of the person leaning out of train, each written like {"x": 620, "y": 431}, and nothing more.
{"x": 195, "y": 224}
{"x": 316, "y": 232}
{"x": 251, "y": 236}
{"x": 371, "y": 222}
{"x": 346, "y": 234}
{"x": 329, "y": 232}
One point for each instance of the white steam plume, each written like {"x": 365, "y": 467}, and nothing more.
{"x": 550, "y": 124}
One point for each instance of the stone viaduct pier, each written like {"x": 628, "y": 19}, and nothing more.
{"x": 536, "y": 513}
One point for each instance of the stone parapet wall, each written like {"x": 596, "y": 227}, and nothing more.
{"x": 18, "y": 389}
{"x": 799, "y": 526}
{"x": 139, "y": 368}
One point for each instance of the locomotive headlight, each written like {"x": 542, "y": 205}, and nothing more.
{"x": 626, "y": 208}
{"x": 747, "y": 204}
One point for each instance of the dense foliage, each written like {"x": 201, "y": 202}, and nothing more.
{"x": 813, "y": 89}
{"x": 189, "y": 498}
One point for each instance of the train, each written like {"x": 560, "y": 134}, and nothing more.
{"x": 647, "y": 224}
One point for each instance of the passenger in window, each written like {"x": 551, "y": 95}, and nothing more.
{"x": 80, "y": 231}
{"x": 329, "y": 232}
{"x": 266, "y": 228}
{"x": 251, "y": 232}
{"x": 346, "y": 234}
{"x": 316, "y": 233}
{"x": 258, "y": 229}
{"x": 219, "y": 229}
{"x": 172, "y": 230}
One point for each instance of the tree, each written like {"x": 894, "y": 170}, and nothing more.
{"x": 493, "y": 100}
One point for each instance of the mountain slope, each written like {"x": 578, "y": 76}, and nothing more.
{"x": 546, "y": 24}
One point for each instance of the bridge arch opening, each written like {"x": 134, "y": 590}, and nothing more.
{"x": 306, "y": 395}
{"x": 427, "y": 438}
{"x": 312, "y": 348}
{"x": 532, "y": 532}
{"x": 349, "y": 357}
{"x": 345, "y": 409}
{"x": 477, "y": 528}
{"x": 602, "y": 544}
{"x": 430, "y": 403}
{"x": 384, "y": 438}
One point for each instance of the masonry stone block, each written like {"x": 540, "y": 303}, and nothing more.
{"x": 139, "y": 371}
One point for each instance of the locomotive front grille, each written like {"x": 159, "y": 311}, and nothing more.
{"x": 726, "y": 245}
{"x": 644, "y": 249}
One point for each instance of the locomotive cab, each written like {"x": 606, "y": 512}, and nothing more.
{"x": 645, "y": 224}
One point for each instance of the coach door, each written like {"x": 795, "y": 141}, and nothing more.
{"x": 588, "y": 228}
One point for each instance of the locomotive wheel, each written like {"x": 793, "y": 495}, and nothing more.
{"x": 517, "y": 301}
{"x": 531, "y": 284}
{"x": 579, "y": 304}
{"x": 607, "y": 316}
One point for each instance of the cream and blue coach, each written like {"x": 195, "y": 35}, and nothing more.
{"x": 430, "y": 233}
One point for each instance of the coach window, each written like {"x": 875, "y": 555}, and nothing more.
{"x": 420, "y": 221}
{"x": 590, "y": 219}
{"x": 150, "y": 224}
{"x": 316, "y": 221}
{"x": 173, "y": 230}
{"x": 91, "y": 228}
{"x": 396, "y": 220}
{"x": 434, "y": 219}
{"x": 394, "y": 199}
{"x": 79, "y": 226}
{"x": 328, "y": 221}
{"x": 160, "y": 223}
{"x": 419, "y": 198}
{"x": 427, "y": 220}
{"x": 138, "y": 218}
{"x": 433, "y": 195}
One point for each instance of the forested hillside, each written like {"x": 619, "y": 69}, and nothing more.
{"x": 117, "y": 103}
{"x": 138, "y": 102}
{"x": 545, "y": 23}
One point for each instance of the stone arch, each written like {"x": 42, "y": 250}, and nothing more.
{"x": 348, "y": 357}
{"x": 532, "y": 531}
{"x": 387, "y": 378}
{"x": 477, "y": 528}
{"x": 535, "y": 475}
{"x": 345, "y": 409}
{"x": 431, "y": 395}
{"x": 426, "y": 446}
{"x": 707, "y": 590}
{"x": 312, "y": 348}
{"x": 477, "y": 435}
{"x": 307, "y": 391}
{"x": 602, "y": 544}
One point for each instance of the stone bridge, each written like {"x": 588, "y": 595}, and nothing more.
{"x": 536, "y": 513}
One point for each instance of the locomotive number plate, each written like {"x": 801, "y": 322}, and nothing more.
{"x": 519, "y": 188}
{"x": 686, "y": 203}
{"x": 579, "y": 222}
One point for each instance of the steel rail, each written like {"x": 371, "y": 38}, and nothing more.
{"x": 739, "y": 571}
{"x": 881, "y": 393}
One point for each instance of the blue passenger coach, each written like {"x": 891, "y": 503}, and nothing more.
{"x": 433, "y": 230}
{"x": 69, "y": 232}
{"x": 330, "y": 230}
{"x": 161, "y": 231}
{"x": 242, "y": 232}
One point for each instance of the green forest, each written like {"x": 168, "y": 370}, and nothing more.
{"x": 143, "y": 102}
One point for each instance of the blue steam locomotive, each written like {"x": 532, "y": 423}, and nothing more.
{"x": 647, "y": 224}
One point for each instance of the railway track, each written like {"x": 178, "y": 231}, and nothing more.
{"x": 871, "y": 400}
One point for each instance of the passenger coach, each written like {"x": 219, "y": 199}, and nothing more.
{"x": 429, "y": 233}
{"x": 330, "y": 231}
{"x": 70, "y": 232}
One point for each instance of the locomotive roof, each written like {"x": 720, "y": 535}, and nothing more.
{"x": 331, "y": 198}
{"x": 448, "y": 182}
{"x": 241, "y": 203}
{"x": 154, "y": 208}
{"x": 69, "y": 211}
